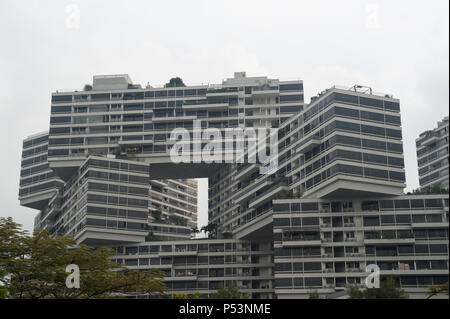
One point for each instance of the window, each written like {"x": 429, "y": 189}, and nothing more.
{"x": 291, "y": 98}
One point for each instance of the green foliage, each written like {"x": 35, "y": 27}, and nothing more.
{"x": 175, "y": 82}
{"x": 314, "y": 294}
{"x": 437, "y": 289}
{"x": 152, "y": 237}
{"x": 35, "y": 268}
{"x": 182, "y": 295}
{"x": 157, "y": 214}
{"x": 87, "y": 87}
{"x": 231, "y": 292}
{"x": 435, "y": 189}
{"x": 355, "y": 293}
{"x": 211, "y": 229}
{"x": 287, "y": 194}
{"x": 4, "y": 284}
{"x": 177, "y": 220}
{"x": 388, "y": 290}
{"x": 196, "y": 295}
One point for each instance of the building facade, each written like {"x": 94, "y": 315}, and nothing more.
{"x": 326, "y": 245}
{"x": 432, "y": 156}
{"x": 333, "y": 205}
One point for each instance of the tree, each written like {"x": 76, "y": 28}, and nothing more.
{"x": 388, "y": 290}
{"x": 87, "y": 87}
{"x": 434, "y": 189}
{"x": 211, "y": 229}
{"x": 355, "y": 293}
{"x": 314, "y": 294}
{"x": 437, "y": 289}
{"x": 174, "y": 82}
{"x": 152, "y": 237}
{"x": 35, "y": 267}
{"x": 3, "y": 284}
{"x": 231, "y": 292}
{"x": 158, "y": 215}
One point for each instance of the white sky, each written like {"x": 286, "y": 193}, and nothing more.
{"x": 396, "y": 47}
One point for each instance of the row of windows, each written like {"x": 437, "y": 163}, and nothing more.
{"x": 352, "y": 99}
{"x": 115, "y": 224}
{"x": 357, "y": 171}
{"x": 117, "y": 200}
{"x": 401, "y": 219}
{"x": 125, "y": 178}
{"x": 431, "y": 177}
{"x": 35, "y": 141}
{"x": 432, "y": 147}
{"x": 307, "y": 282}
{"x": 38, "y": 188}
{"x": 400, "y": 204}
{"x": 411, "y": 265}
{"x": 53, "y": 153}
{"x": 291, "y": 98}
{"x": 298, "y": 267}
{"x": 173, "y": 230}
{"x": 304, "y": 252}
{"x": 66, "y": 141}
{"x": 403, "y": 281}
{"x": 433, "y": 167}
{"x": 33, "y": 170}
{"x": 34, "y": 160}
{"x": 129, "y": 95}
{"x": 111, "y": 188}
{"x": 359, "y": 129}
{"x": 291, "y": 87}
{"x": 403, "y": 250}
{"x": 182, "y": 248}
{"x": 116, "y": 212}
{"x": 419, "y": 203}
{"x": 296, "y": 221}
{"x": 37, "y": 179}
{"x": 354, "y": 114}
{"x": 34, "y": 150}
{"x": 115, "y": 165}
{"x": 353, "y": 156}
{"x": 435, "y": 155}
{"x": 353, "y": 141}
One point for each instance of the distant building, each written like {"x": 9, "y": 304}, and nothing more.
{"x": 432, "y": 156}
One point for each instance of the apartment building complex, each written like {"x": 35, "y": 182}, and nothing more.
{"x": 334, "y": 204}
{"x": 326, "y": 245}
{"x": 432, "y": 156}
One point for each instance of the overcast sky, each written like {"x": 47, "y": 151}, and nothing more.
{"x": 396, "y": 47}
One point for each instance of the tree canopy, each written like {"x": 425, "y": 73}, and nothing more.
{"x": 388, "y": 290}
{"x": 437, "y": 289}
{"x": 34, "y": 266}
{"x": 231, "y": 292}
{"x": 210, "y": 229}
{"x": 174, "y": 82}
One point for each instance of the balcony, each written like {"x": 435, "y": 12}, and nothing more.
{"x": 390, "y": 241}
{"x": 267, "y": 195}
{"x": 432, "y": 138}
{"x": 309, "y": 144}
{"x": 302, "y": 242}
{"x": 245, "y": 170}
{"x": 265, "y": 91}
